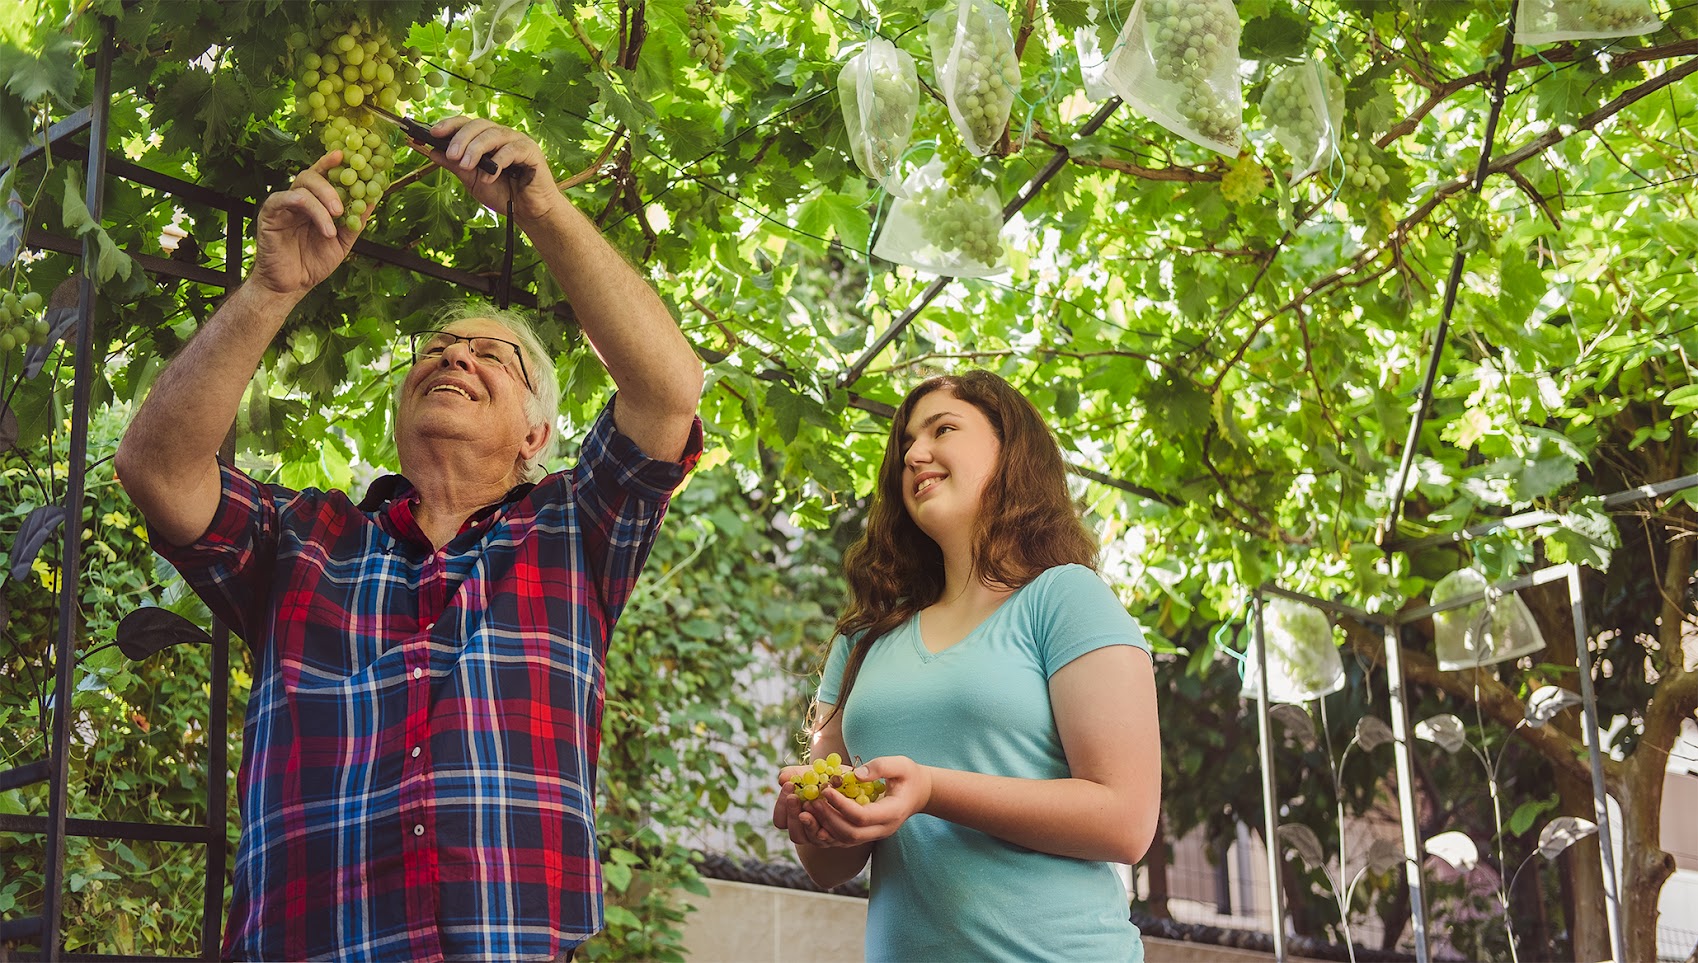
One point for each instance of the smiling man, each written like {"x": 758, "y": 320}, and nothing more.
{"x": 419, "y": 775}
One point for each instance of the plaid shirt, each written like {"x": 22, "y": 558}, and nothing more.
{"x": 422, "y": 737}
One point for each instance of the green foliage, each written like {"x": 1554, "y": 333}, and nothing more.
{"x": 1237, "y": 375}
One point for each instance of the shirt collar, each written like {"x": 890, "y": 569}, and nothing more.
{"x": 395, "y": 496}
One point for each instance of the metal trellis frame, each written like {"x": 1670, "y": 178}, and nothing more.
{"x": 1392, "y": 626}
{"x": 45, "y": 931}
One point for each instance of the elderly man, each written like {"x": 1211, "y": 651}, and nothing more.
{"x": 422, "y": 736}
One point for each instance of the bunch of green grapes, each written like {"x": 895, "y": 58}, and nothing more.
{"x": 355, "y": 64}
{"x": 21, "y": 322}
{"x": 987, "y": 76}
{"x": 703, "y": 32}
{"x": 953, "y": 219}
{"x": 1362, "y": 170}
{"x": 1189, "y": 41}
{"x": 831, "y": 772}
{"x": 1244, "y": 181}
{"x": 1288, "y": 106}
{"x": 1601, "y": 17}
{"x": 879, "y": 91}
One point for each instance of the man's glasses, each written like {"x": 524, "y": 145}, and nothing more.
{"x": 430, "y": 346}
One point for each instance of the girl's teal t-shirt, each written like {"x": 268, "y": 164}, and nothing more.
{"x": 941, "y": 891}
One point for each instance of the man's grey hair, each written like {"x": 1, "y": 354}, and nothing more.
{"x": 542, "y": 402}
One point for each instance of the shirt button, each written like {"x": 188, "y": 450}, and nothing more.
{"x": 418, "y": 673}
{"x": 418, "y": 830}
{"x": 415, "y": 752}
{"x": 429, "y": 626}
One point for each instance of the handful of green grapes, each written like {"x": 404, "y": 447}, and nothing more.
{"x": 17, "y": 326}
{"x": 830, "y": 772}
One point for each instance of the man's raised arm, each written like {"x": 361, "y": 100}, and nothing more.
{"x": 658, "y": 374}
{"x": 167, "y": 459}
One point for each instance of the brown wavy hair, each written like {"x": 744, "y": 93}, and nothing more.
{"x": 1027, "y": 521}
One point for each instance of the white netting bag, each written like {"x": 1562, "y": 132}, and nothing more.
{"x": 1303, "y": 662}
{"x": 1176, "y": 61}
{"x": 1304, "y": 108}
{"x": 880, "y": 91}
{"x": 944, "y": 230}
{"x": 1484, "y": 632}
{"x": 1093, "y": 62}
{"x": 494, "y": 23}
{"x": 973, "y": 53}
{"x": 1553, "y": 21}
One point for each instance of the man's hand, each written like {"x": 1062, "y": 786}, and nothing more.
{"x": 532, "y": 190}
{"x": 302, "y": 239}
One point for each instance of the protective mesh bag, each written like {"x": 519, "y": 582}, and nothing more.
{"x": 935, "y": 227}
{"x": 1484, "y": 632}
{"x": 1093, "y": 63}
{"x": 494, "y": 23}
{"x": 1552, "y": 21}
{"x": 880, "y": 92}
{"x": 973, "y": 53}
{"x": 1304, "y": 108}
{"x": 1303, "y": 662}
{"x": 1176, "y": 61}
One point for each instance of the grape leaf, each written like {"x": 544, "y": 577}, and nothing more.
{"x": 1277, "y": 35}
{"x": 53, "y": 73}
{"x": 73, "y": 212}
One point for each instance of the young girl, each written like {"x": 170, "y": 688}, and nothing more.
{"x": 1000, "y": 690}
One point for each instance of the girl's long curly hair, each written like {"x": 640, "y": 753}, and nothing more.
{"x": 1026, "y": 523}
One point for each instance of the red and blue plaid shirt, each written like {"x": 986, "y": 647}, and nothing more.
{"x": 421, "y": 742}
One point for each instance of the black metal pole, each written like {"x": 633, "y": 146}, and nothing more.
{"x": 64, "y": 649}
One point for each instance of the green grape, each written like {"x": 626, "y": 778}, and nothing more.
{"x": 830, "y": 772}
{"x": 30, "y": 301}
{"x": 7, "y": 342}
{"x": 702, "y": 32}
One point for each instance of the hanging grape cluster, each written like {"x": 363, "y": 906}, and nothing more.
{"x": 987, "y": 75}
{"x": 831, "y": 772}
{"x": 1607, "y": 16}
{"x": 1362, "y": 171}
{"x": 1288, "y": 106}
{"x": 21, "y": 321}
{"x": 1188, "y": 42}
{"x": 354, "y": 64}
{"x": 954, "y": 219}
{"x": 703, "y": 33}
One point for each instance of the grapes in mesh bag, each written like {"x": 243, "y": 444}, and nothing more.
{"x": 1553, "y": 21}
{"x": 973, "y": 52}
{"x": 1304, "y": 107}
{"x": 494, "y": 23}
{"x": 1176, "y": 61}
{"x": 1303, "y": 662}
{"x": 945, "y": 229}
{"x": 880, "y": 92}
{"x": 1483, "y": 632}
